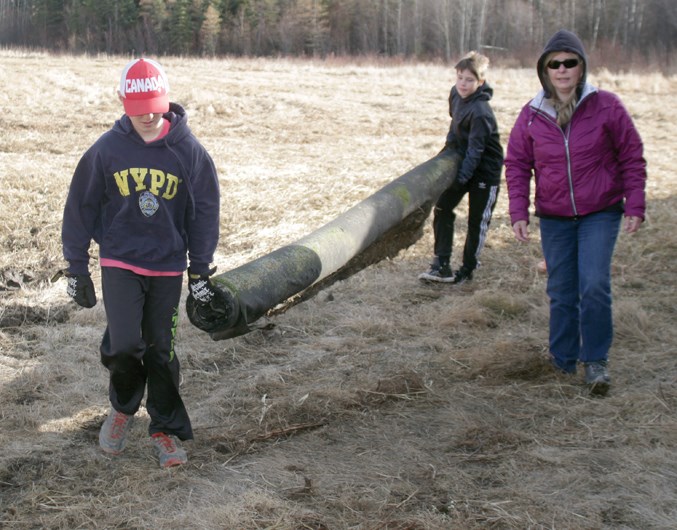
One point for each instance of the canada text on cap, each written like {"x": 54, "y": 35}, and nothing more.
{"x": 144, "y": 88}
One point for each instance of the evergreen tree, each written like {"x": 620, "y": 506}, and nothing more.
{"x": 154, "y": 19}
{"x": 181, "y": 24}
{"x": 642, "y": 30}
{"x": 49, "y": 24}
{"x": 209, "y": 31}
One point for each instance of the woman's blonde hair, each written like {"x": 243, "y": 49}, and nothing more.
{"x": 564, "y": 109}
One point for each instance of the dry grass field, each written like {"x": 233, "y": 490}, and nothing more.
{"x": 381, "y": 403}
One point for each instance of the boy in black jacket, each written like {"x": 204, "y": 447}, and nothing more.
{"x": 147, "y": 193}
{"x": 474, "y": 134}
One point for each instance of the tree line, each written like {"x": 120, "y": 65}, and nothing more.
{"x": 420, "y": 29}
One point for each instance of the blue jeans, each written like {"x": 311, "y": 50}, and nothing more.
{"x": 578, "y": 255}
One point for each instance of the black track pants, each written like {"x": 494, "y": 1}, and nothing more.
{"x": 481, "y": 202}
{"x": 138, "y": 347}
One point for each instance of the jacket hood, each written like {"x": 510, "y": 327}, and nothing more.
{"x": 562, "y": 41}
{"x": 179, "y": 129}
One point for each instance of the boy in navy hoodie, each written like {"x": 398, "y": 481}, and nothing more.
{"x": 473, "y": 133}
{"x": 147, "y": 193}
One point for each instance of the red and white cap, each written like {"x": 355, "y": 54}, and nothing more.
{"x": 144, "y": 88}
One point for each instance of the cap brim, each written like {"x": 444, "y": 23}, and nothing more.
{"x": 139, "y": 107}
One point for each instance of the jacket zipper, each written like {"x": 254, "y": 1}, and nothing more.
{"x": 565, "y": 137}
{"x": 569, "y": 177}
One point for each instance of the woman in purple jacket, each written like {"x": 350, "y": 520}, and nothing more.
{"x": 586, "y": 157}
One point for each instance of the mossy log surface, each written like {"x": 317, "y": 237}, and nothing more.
{"x": 375, "y": 229}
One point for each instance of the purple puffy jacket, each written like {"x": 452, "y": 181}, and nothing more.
{"x": 595, "y": 162}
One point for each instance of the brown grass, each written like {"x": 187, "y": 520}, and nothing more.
{"x": 380, "y": 403}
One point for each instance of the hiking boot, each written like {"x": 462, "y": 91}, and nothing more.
{"x": 558, "y": 368}
{"x": 597, "y": 378}
{"x": 437, "y": 273}
{"x": 168, "y": 449}
{"x": 113, "y": 433}
{"x": 464, "y": 274}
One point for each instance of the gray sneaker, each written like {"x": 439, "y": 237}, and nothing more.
{"x": 168, "y": 449}
{"x": 597, "y": 378}
{"x": 437, "y": 273}
{"x": 113, "y": 433}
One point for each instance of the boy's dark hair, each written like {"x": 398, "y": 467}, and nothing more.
{"x": 476, "y": 63}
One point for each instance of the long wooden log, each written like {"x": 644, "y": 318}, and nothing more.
{"x": 375, "y": 229}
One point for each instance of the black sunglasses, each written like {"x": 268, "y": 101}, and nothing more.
{"x": 568, "y": 63}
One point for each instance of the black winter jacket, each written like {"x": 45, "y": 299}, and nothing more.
{"x": 473, "y": 133}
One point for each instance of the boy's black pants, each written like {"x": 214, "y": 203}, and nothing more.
{"x": 481, "y": 202}
{"x": 138, "y": 347}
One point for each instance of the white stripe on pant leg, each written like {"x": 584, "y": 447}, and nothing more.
{"x": 486, "y": 218}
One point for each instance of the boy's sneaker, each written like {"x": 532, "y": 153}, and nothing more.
{"x": 437, "y": 273}
{"x": 597, "y": 378}
{"x": 464, "y": 274}
{"x": 168, "y": 449}
{"x": 113, "y": 433}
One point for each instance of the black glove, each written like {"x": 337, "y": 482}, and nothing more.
{"x": 457, "y": 185}
{"x": 450, "y": 146}
{"x": 208, "y": 306}
{"x": 201, "y": 287}
{"x": 79, "y": 287}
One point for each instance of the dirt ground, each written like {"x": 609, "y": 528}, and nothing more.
{"x": 381, "y": 403}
